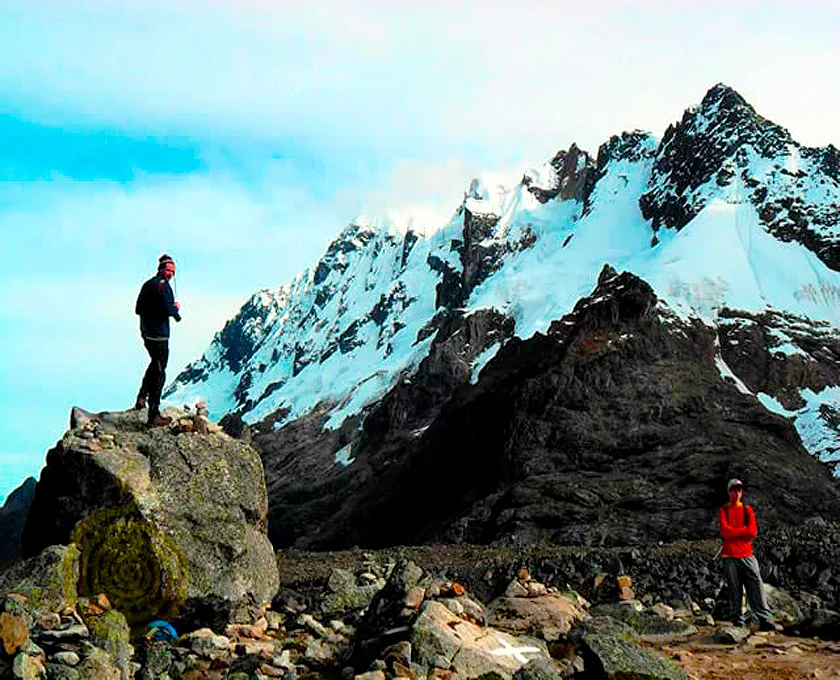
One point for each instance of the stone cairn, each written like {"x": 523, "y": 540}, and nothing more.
{"x": 387, "y": 621}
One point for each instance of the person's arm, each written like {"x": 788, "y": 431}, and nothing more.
{"x": 169, "y": 301}
{"x": 751, "y": 530}
{"x": 140, "y": 304}
{"x": 731, "y": 532}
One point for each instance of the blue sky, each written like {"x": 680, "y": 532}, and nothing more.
{"x": 241, "y": 136}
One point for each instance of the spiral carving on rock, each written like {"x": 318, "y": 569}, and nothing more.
{"x": 133, "y": 563}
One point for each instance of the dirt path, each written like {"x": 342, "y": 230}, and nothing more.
{"x": 763, "y": 656}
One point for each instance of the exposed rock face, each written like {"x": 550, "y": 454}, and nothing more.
{"x": 575, "y": 177}
{"x": 360, "y": 373}
{"x": 12, "y": 518}
{"x": 615, "y": 428}
{"x": 725, "y": 143}
{"x": 308, "y": 484}
{"x": 784, "y": 357}
{"x": 779, "y": 353}
{"x": 168, "y": 525}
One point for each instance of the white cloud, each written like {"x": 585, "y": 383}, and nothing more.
{"x": 236, "y": 238}
{"x": 421, "y": 78}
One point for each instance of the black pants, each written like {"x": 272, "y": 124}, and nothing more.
{"x": 155, "y": 377}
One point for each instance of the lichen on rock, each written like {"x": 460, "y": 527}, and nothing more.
{"x": 140, "y": 570}
{"x": 170, "y": 524}
{"x": 47, "y": 581}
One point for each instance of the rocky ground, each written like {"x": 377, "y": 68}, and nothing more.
{"x": 467, "y": 612}
{"x": 146, "y": 557}
{"x": 393, "y": 619}
{"x": 762, "y": 656}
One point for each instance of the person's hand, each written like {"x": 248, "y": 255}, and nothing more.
{"x": 178, "y": 305}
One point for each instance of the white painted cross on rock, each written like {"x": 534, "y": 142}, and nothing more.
{"x": 517, "y": 653}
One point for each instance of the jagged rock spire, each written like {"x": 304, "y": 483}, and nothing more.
{"x": 694, "y": 150}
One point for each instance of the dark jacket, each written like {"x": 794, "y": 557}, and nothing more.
{"x": 155, "y": 304}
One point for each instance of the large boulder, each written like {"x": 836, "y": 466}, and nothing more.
{"x": 548, "y": 616}
{"x": 646, "y": 622}
{"x": 170, "y": 523}
{"x": 612, "y": 650}
{"x": 440, "y": 639}
{"x": 46, "y": 582}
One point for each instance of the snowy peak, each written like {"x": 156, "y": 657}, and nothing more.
{"x": 242, "y": 335}
{"x": 340, "y": 333}
{"x": 695, "y": 150}
{"x": 353, "y": 238}
{"x": 740, "y": 215}
{"x": 635, "y": 146}
{"x": 496, "y": 224}
{"x": 724, "y": 150}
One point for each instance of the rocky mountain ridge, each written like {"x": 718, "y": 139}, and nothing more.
{"x": 13, "y": 515}
{"x": 725, "y": 324}
{"x": 379, "y": 293}
{"x": 614, "y": 428}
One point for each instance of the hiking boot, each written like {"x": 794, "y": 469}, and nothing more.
{"x": 766, "y": 625}
{"x": 159, "y": 421}
{"x": 140, "y": 404}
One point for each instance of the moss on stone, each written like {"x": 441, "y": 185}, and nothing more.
{"x": 134, "y": 564}
{"x": 98, "y": 665}
{"x": 48, "y": 580}
{"x": 110, "y": 631}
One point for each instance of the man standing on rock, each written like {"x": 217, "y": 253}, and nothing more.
{"x": 155, "y": 304}
{"x": 740, "y": 567}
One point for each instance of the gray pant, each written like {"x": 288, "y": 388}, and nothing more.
{"x": 741, "y": 574}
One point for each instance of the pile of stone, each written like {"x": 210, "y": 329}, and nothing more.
{"x": 87, "y": 639}
{"x": 412, "y": 624}
{"x": 47, "y": 630}
{"x": 93, "y": 427}
{"x": 800, "y": 564}
{"x": 423, "y": 626}
{"x": 381, "y": 622}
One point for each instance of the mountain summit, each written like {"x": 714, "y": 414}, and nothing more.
{"x": 383, "y": 363}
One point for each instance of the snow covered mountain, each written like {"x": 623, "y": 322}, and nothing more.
{"x": 725, "y": 212}
{"x": 351, "y": 372}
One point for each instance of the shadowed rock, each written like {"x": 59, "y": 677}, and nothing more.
{"x": 614, "y": 428}
{"x": 12, "y": 518}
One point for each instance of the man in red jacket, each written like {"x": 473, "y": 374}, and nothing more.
{"x": 740, "y": 567}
